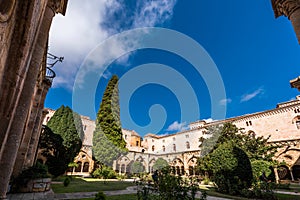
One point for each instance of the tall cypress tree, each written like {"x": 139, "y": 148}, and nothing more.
{"x": 68, "y": 125}
{"x": 108, "y": 142}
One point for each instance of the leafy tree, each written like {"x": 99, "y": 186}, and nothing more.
{"x": 232, "y": 168}
{"x": 159, "y": 164}
{"x": 52, "y": 148}
{"x": 255, "y": 147}
{"x": 68, "y": 125}
{"x": 137, "y": 167}
{"x": 108, "y": 142}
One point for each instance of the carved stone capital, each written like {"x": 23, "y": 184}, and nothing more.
{"x": 285, "y": 7}
{"x": 58, "y": 6}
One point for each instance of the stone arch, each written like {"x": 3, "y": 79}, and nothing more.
{"x": 123, "y": 164}
{"x": 284, "y": 172}
{"x": 296, "y": 121}
{"x": 251, "y": 133}
{"x": 86, "y": 167}
{"x": 192, "y": 166}
{"x": 78, "y": 168}
{"x": 151, "y": 163}
{"x": 177, "y": 166}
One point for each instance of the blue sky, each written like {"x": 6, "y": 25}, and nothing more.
{"x": 255, "y": 54}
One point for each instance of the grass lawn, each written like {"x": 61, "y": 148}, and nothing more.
{"x": 79, "y": 184}
{"x": 118, "y": 197}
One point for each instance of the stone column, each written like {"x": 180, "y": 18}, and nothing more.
{"x": 290, "y": 9}
{"x": 276, "y": 175}
{"x": 32, "y": 146}
{"x": 27, "y": 133}
{"x": 26, "y": 22}
{"x": 14, "y": 134}
{"x": 291, "y": 173}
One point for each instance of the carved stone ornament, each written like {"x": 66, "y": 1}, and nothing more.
{"x": 285, "y": 7}
{"x": 6, "y": 9}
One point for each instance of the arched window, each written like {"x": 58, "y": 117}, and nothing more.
{"x": 164, "y": 148}
{"x": 78, "y": 168}
{"x": 174, "y": 147}
{"x": 188, "y": 145}
{"x": 86, "y": 167}
{"x": 298, "y": 123}
{"x": 153, "y": 147}
{"x": 296, "y": 120}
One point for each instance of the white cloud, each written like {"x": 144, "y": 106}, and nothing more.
{"x": 208, "y": 120}
{"x": 249, "y": 96}
{"x": 224, "y": 102}
{"x": 87, "y": 24}
{"x": 176, "y": 126}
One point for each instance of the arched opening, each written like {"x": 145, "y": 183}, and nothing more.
{"x": 123, "y": 168}
{"x": 86, "y": 166}
{"x": 296, "y": 120}
{"x": 153, "y": 147}
{"x": 284, "y": 173}
{"x": 78, "y": 168}
{"x": 163, "y": 148}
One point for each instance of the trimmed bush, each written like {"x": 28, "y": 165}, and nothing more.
{"x": 67, "y": 181}
{"x": 231, "y": 168}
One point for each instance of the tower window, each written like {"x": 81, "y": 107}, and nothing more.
{"x": 153, "y": 148}
{"x": 188, "y": 145}
{"x": 164, "y": 148}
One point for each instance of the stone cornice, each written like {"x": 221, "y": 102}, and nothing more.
{"x": 285, "y": 7}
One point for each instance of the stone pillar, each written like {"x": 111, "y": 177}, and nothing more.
{"x": 276, "y": 175}
{"x": 14, "y": 134}
{"x": 290, "y": 9}
{"x": 291, "y": 172}
{"x": 32, "y": 129}
{"x": 32, "y": 145}
{"x": 26, "y": 22}
{"x": 27, "y": 133}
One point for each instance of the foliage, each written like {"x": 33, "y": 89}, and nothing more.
{"x": 159, "y": 164}
{"x": 169, "y": 187}
{"x": 67, "y": 181}
{"x": 231, "y": 168}
{"x": 105, "y": 172}
{"x": 260, "y": 166}
{"x": 255, "y": 147}
{"x": 37, "y": 171}
{"x": 52, "y": 148}
{"x": 108, "y": 142}
{"x": 100, "y": 196}
{"x": 137, "y": 167}
{"x": 68, "y": 125}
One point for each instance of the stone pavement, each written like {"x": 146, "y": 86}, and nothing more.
{"x": 50, "y": 195}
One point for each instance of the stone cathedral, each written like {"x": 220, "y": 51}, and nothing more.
{"x": 181, "y": 149}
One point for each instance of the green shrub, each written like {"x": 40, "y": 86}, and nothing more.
{"x": 260, "y": 166}
{"x": 105, "y": 173}
{"x": 100, "y": 196}
{"x": 168, "y": 187}
{"x": 231, "y": 168}
{"x": 67, "y": 181}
